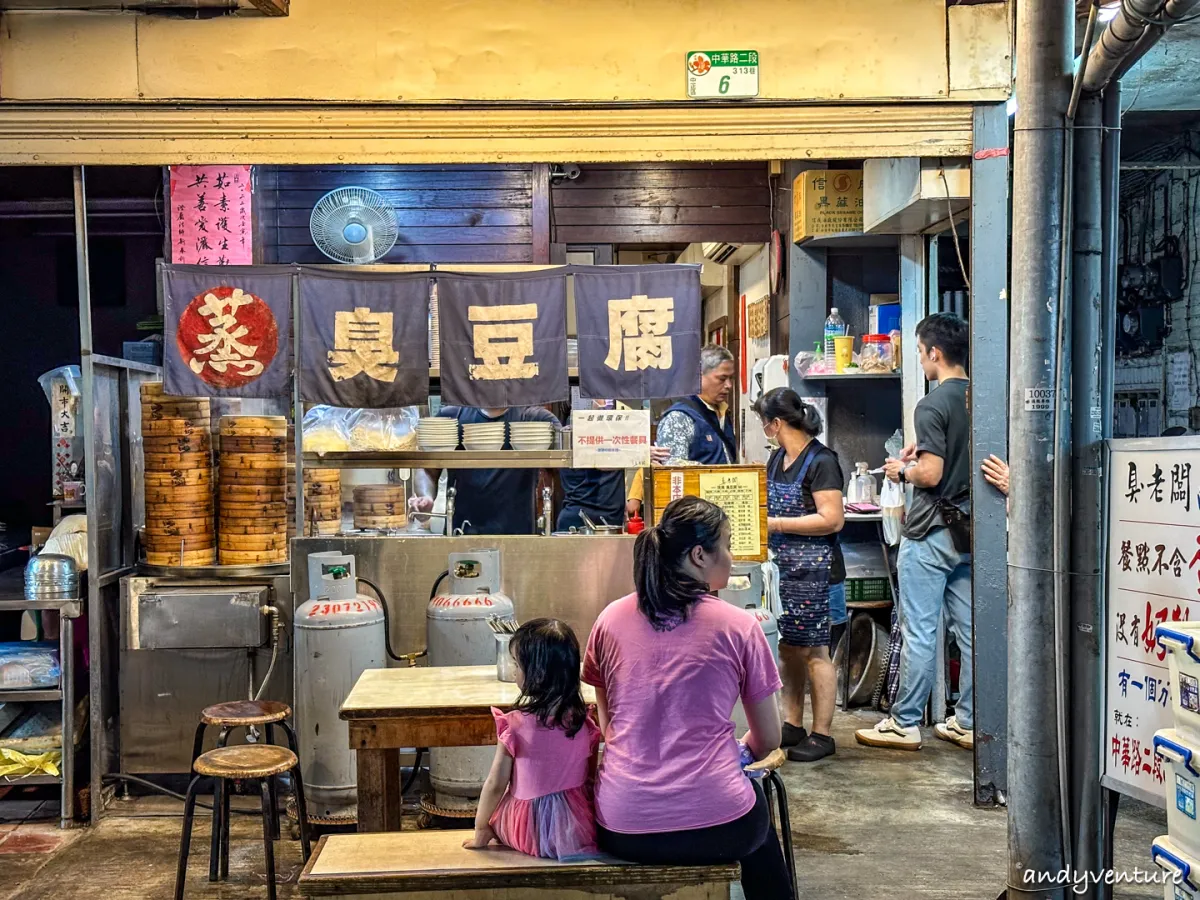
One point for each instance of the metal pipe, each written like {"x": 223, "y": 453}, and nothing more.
{"x": 1035, "y": 831}
{"x": 1156, "y": 167}
{"x": 1110, "y": 187}
{"x": 87, "y": 406}
{"x": 1135, "y": 28}
{"x": 298, "y": 410}
{"x": 1077, "y": 87}
{"x": 1086, "y": 620}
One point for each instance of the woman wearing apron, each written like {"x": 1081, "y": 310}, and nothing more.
{"x": 805, "y": 513}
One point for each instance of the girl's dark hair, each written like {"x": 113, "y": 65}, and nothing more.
{"x": 548, "y": 654}
{"x": 785, "y": 404}
{"x": 665, "y": 593}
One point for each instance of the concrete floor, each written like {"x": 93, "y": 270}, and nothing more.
{"x": 866, "y": 823}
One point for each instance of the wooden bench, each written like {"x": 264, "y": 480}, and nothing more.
{"x": 424, "y": 865}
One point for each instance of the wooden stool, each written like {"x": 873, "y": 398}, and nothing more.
{"x": 243, "y": 714}
{"x": 773, "y": 782}
{"x": 249, "y": 762}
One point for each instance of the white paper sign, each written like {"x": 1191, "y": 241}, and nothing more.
{"x": 610, "y": 439}
{"x": 63, "y": 410}
{"x": 1039, "y": 399}
{"x": 1153, "y": 579}
{"x": 1179, "y": 381}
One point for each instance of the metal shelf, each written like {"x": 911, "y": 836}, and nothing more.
{"x": 30, "y": 696}
{"x": 891, "y": 376}
{"x": 70, "y": 608}
{"x": 31, "y": 780}
{"x": 451, "y": 459}
{"x": 852, "y": 240}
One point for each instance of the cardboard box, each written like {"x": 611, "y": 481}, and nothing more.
{"x": 826, "y": 201}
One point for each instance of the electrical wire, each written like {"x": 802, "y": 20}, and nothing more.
{"x": 953, "y": 226}
{"x": 262, "y": 687}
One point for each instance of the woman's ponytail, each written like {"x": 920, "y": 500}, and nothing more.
{"x": 665, "y": 592}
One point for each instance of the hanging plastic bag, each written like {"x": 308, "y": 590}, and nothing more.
{"x": 891, "y": 505}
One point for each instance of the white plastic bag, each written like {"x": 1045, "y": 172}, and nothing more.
{"x": 891, "y": 505}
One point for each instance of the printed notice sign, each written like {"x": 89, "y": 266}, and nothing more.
{"x": 737, "y": 494}
{"x": 610, "y": 439}
{"x": 721, "y": 74}
{"x": 1154, "y": 566}
{"x": 1039, "y": 399}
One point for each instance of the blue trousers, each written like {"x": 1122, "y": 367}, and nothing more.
{"x": 932, "y": 575}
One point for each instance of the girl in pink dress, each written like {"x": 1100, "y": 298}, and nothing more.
{"x": 538, "y": 795}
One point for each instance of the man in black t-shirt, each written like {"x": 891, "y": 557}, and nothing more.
{"x": 932, "y": 572}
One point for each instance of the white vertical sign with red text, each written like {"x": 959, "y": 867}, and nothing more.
{"x": 1153, "y": 567}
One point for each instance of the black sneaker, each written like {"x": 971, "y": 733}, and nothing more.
{"x": 793, "y": 735}
{"x": 817, "y": 746}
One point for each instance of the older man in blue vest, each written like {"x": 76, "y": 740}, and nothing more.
{"x": 699, "y": 428}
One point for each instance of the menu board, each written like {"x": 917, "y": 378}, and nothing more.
{"x": 1153, "y": 569}
{"x": 737, "y": 494}
{"x": 740, "y": 490}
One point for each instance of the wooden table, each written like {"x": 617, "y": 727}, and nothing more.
{"x": 444, "y": 706}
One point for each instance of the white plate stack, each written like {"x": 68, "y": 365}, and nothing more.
{"x": 531, "y": 435}
{"x": 437, "y": 434}
{"x": 484, "y": 436}
{"x": 435, "y": 329}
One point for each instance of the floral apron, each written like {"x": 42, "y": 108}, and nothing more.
{"x": 804, "y": 563}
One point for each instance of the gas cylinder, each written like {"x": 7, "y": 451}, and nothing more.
{"x": 339, "y": 635}
{"x": 458, "y": 634}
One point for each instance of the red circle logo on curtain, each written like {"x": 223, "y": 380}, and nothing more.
{"x": 227, "y": 336}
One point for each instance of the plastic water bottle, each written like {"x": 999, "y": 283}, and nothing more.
{"x": 834, "y": 327}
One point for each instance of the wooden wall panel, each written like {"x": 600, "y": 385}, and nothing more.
{"x": 462, "y": 214}
{"x": 663, "y": 203}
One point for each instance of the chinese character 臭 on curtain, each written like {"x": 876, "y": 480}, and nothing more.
{"x": 364, "y": 338}
{"x": 503, "y": 338}
{"x": 639, "y": 331}
{"x": 228, "y": 331}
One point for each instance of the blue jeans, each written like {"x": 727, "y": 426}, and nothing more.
{"x": 837, "y": 603}
{"x": 932, "y": 574}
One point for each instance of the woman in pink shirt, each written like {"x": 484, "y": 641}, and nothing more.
{"x": 669, "y": 663}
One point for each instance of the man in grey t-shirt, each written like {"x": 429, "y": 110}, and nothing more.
{"x": 932, "y": 572}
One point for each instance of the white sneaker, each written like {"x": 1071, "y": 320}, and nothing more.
{"x": 888, "y": 734}
{"x": 951, "y": 731}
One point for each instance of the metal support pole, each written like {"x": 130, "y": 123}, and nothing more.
{"x": 87, "y": 406}
{"x": 298, "y": 408}
{"x": 989, "y": 435}
{"x": 1110, "y": 183}
{"x": 1045, "y": 40}
{"x": 1086, "y": 620}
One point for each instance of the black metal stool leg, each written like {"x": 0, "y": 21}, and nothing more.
{"x": 846, "y": 663}
{"x": 273, "y": 781}
{"x": 226, "y": 824}
{"x": 301, "y": 811}
{"x": 198, "y": 743}
{"x": 268, "y": 845}
{"x": 214, "y": 853}
{"x": 185, "y": 839}
{"x": 291, "y": 738}
{"x": 785, "y": 825}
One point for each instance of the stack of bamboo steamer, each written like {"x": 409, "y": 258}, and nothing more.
{"x": 177, "y": 449}
{"x": 380, "y": 506}
{"x": 252, "y": 496}
{"x": 322, "y": 496}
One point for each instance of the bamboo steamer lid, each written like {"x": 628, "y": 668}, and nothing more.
{"x": 328, "y": 491}
{"x": 166, "y": 462}
{"x": 179, "y": 478}
{"x": 175, "y": 526}
{"x": 239, "y": 444}
{"x": 250, "y": 557}
{"x": 176, "y": 409}
{"x": 252, "y": 542}
{"x": 317, "y": 476}
{"x": 252, "y": 476}
{"x": 252, "y": 527}
{"x": 172, "y": 495}
{"x": 231, "y": 509}
{"x": 388, "y": 491}
{"x": 250, "y": 493}
{"x": 171, "y": 428}
{"x": 188, "y": 509}
{"x": 381, "y": 509}
{"x": 172, "y": 544}
{"x": 197, "y": 442}
{"x": 194, "y": 558}
{"x": 318, "y": 529}
{"x": 253, "y": 460}
{"x": 380, "y": 521}
{"x": 253, "y": 426}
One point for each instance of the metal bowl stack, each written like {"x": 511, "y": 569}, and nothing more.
{"x": 51, "y": 576}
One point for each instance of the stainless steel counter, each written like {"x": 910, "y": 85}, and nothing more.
{"x": 570, "y": 578}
